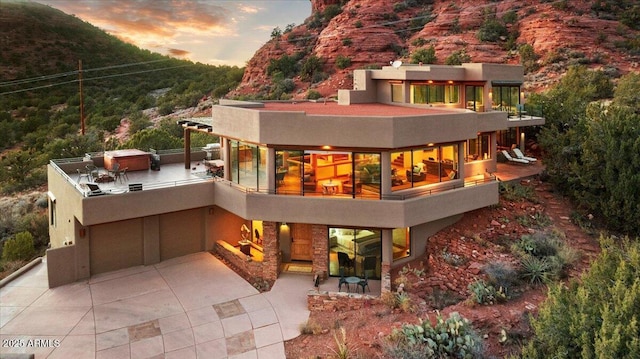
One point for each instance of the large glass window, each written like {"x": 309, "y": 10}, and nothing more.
{"x": 434, "y": 93}
{"x": 328, "y": 173}
{"x": 401, "y": 243}
{"x": 367, "y": 172}
{"x": 396, "y": 93}
{"x": 289, "y": 170}
{"x": 506, "y": 98}
{"x": 248, "y": 164}
{"x": 478, "y": 148}
{"x": 423, "y": 166}
{"x": 474, "y": 98}
{"x": 355, "y": 251}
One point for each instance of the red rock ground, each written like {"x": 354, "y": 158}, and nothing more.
{"x": 482, "y": 236}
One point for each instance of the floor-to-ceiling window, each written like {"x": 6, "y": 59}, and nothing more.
{"x": 478, "y": 148}
{"x": 474, "y": 97}
{"x": 248, "y": 164}
{"x": 423, "y": 166}
{"x": 367, "y": 172}
{"x": 289, "y": 170}
{"x": 423, "y": 93}
{"x": 355, "y": 251}
{"x": 401, "y": 243}
{"x": 505, "y": 98}
{"x": 328, "y": 173}
{"x": 396, "y": 92}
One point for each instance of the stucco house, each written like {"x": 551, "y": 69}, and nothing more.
{"x": 355, "y": 185}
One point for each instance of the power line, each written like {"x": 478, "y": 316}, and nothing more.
{"x": 91, "y": 78}
{"x": 75, "y": 72}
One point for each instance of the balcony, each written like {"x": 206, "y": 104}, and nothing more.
{"x": 393, "y": 211}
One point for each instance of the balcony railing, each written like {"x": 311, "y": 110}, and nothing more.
{"x": 416, "y": 192}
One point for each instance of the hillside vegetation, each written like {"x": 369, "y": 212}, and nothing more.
{"x": 40, "y": 97}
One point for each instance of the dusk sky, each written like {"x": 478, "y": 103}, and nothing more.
{"x": 212, "y": 32}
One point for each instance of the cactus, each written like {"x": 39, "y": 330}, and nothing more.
{"x": 453, "y": 337}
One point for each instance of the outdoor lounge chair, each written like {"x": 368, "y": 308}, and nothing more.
{"x": 94, "y": 190}
{"x": 521, "y": 155}
{"x": 513, "y": 160}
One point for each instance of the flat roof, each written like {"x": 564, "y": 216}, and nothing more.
{"x": 362, "y": 109}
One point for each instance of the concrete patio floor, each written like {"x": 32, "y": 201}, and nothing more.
{"x": 187, "y": 307}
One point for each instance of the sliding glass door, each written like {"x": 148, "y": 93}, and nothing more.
{"x": 355, "y": 252}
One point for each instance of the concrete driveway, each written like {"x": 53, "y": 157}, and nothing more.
{"x": 187, "y": 307}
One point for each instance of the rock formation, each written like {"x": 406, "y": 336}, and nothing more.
{"x": 371, "y": 33}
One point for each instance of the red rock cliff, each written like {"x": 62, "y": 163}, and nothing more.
{"x": 375, "y": 32}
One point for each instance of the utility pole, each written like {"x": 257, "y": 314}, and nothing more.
{"x": 81, "y": 99}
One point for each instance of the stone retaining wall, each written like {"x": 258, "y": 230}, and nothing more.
{"x": 249, "y": 268}
{"x": 337, "y": 301}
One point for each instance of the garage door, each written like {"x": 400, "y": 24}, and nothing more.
{"x": 181, "y": 233}
{"x": 116, "y": 245}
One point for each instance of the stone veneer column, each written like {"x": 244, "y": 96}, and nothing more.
{"x": 320, "y": 244}
{"x": 387, "y": 260}
{"x": 271, "y": 251}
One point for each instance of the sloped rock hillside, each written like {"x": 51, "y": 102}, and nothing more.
{"x": 545, "y": 36}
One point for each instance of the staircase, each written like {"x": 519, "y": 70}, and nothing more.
{"x": 399, "y": 161}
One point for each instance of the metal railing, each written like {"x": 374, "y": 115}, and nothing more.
{"x": 147, "y": 186}
{"x": 416, "y": 192}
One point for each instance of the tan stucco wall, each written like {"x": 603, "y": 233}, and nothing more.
{"x": 284, "y": 128}
{"x": 346, "y": 211}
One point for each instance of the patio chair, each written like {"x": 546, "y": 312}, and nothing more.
{"x": 85, "y": 174}
{"x": 342, "y": 280}
{"x": 114, "y": 170}
{"x": 364, "y": 283}
{"x": 513, "y": 160}
{"x": 521, "y": 155}
{"x": 93, "y": 171}
{"x": 120, "y": 175}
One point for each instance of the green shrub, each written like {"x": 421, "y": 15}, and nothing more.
{"x": 313, "y": 95}
{"x": 18, "y": 248}
{"x": 425, "y": 56}
{"x": 535, "y": 270}
{"x": 400, "y": 301}
{"x": 419, "y": 42}
{"x": 510, "y": 17}
{"x": 450, "y": 338}
{"x": 596, "y": 316}
{"x": 501, "y": 275}
{"x": 516, "y": 192}
{"x": 342, "y": 62}
{"x": 484, "y": 293}
{"x": 400, "y": 6}
{"x": 458, "y": 57}
{"x": 37, "y": 224}
{"x": 310, "y": 327}
{"x": 331, "y": 11}
{"x": 453, "y": 258}
{"x": 492, "y": 30}
{"x": 347, "y": 41}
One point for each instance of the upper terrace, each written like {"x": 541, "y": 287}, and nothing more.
{"x": 371, "y": 125}
{"x": 176, "y": 188}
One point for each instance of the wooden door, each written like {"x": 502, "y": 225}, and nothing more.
{"x": 301, "y": 242}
